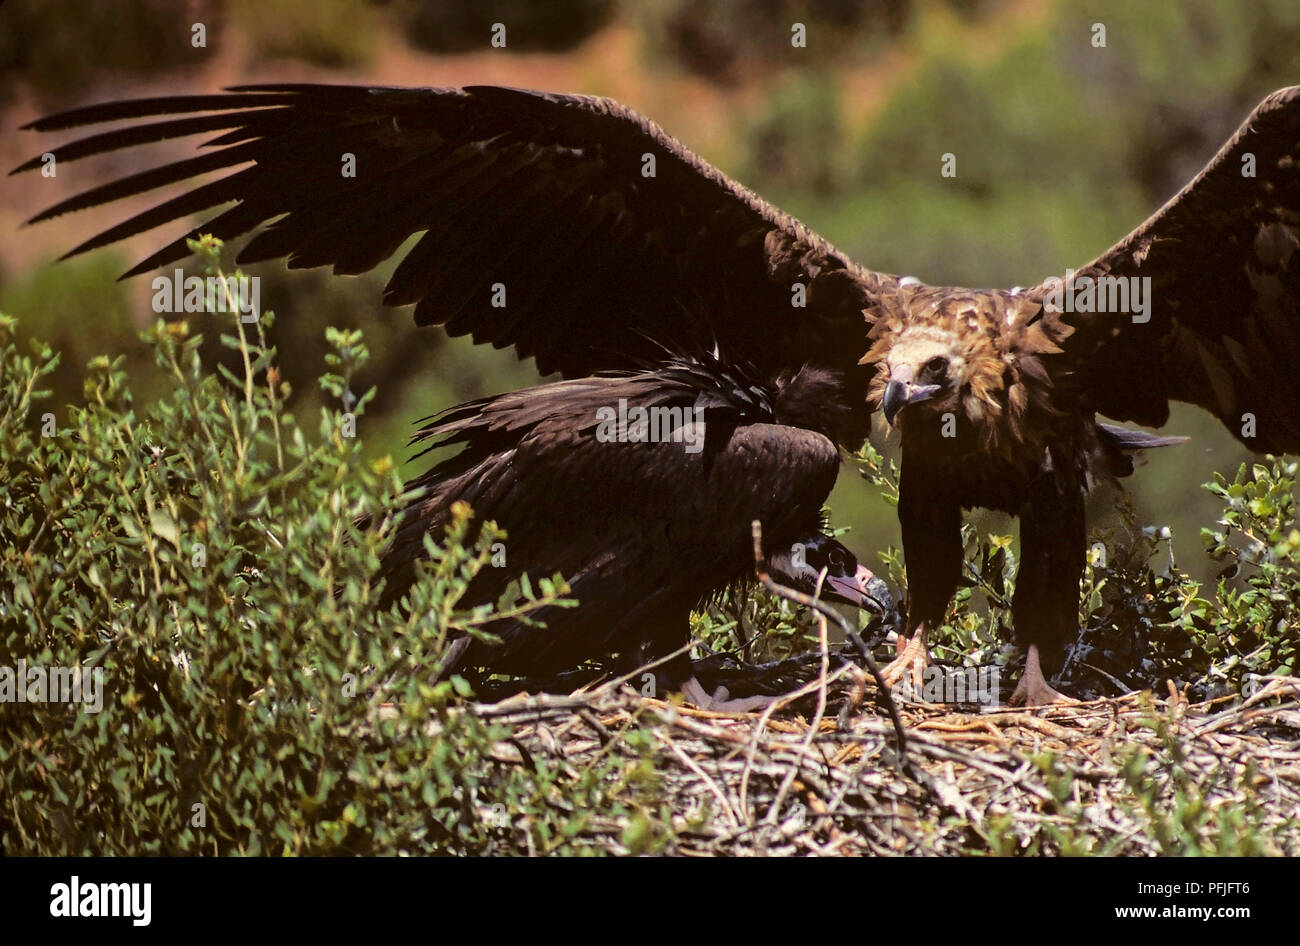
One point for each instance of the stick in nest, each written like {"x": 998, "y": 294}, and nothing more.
{"x": 765, "y": 579}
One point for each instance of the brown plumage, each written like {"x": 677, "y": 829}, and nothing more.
{"x": 988, "y": 410}
{"x": 996, "y": 396}
{"x": 644, "y": 532}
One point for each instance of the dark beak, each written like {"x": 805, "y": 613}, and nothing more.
{"x": 898, "y": 394}
{"x": 893, "y": 401}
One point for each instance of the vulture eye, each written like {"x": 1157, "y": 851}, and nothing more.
{"x": 938, "y": 365}
{"x": 838, "y": 559}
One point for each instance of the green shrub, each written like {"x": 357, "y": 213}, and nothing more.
{"x": 201, "y": 554}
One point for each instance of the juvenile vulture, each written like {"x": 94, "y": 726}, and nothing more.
{"x": 605, "y": 233}
{"x": 643, "y": 513}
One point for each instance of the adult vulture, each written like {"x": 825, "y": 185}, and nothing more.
{"x": 611, "y": 240}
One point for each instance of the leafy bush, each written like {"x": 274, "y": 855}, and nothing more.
{"x": 202, "y": 556}
{"x": 1253, "y": 625}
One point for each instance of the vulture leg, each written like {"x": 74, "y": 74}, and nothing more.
{"x": 931, "y": 527}
{"x": 913, "y": 657}
{"x": 1033, "y": 688}
{"x": 662, "y": 635}
{"x": 1046, "y": 604}
{"x": 823, "y": 569}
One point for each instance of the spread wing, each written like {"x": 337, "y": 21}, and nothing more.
{"x": 601, "y": 228}
{"x": 1223, "y": 259}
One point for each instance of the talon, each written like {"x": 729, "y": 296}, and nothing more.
{"x": 912, "y": 657}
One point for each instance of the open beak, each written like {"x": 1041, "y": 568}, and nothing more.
{"x": 900, "y": 393}
{"x": 863, "y": 590}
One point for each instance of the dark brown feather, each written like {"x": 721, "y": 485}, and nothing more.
{"x": 673, "y": 526}
{"x": 1223, "y": 257}
{"x": 480, "y": 169}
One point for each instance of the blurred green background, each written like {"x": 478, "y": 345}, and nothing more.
{"x": 1062, "y": 146}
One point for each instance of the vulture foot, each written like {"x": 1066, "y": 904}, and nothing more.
{"x": 721, "y": 702}
{"x": 913, "y": 658}
{"x": 1033, "y": 689}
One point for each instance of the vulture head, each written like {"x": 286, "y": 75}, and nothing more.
{"x": 941, "y": 353}
{"x": 924, "y": 369}
{"x": 801, "y": 565}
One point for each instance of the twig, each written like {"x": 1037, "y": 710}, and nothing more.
{"x": 775, "y": 808}
{"x": 790, "y": 594}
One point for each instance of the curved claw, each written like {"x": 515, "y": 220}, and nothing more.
{"x": 913, "y": 658}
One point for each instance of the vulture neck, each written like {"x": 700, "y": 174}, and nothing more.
{"x": 824, "y": 401}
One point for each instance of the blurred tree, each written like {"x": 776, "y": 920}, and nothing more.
{"x": 464, "y": 25}
{"x": 81, "y": 311}
{"x": 334, "y": 34}
{"x": 798, "y": 140}
{"x": 57, "y": 49}
{"x": 1173, "y": 117}
{"x": 734, "y": 41}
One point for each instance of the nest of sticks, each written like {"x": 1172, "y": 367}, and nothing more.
{"x": 837, "y": 766}
{"x": 830, "y": 780}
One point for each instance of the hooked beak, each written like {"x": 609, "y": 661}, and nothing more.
{"x": 901, "y": 391}
{"x": 863, "y": 590}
